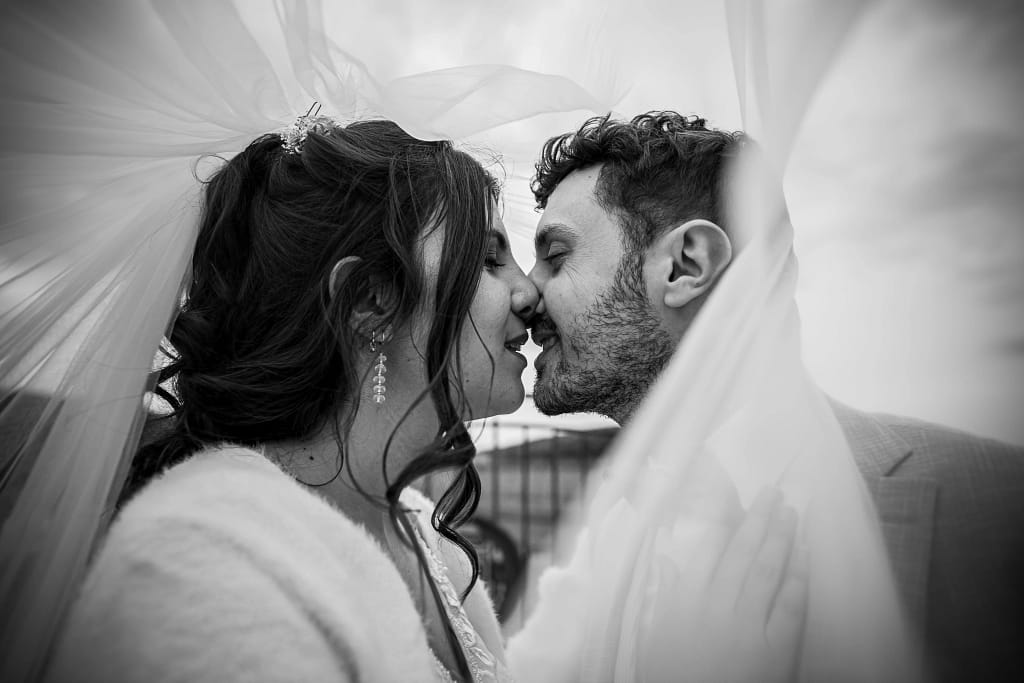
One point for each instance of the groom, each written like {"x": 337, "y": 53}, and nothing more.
{"x": 631, "y": 243}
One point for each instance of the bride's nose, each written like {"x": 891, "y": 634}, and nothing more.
{"x": 524, "y": 297}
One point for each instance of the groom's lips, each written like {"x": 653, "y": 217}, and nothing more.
{"x": 545, "y": 338}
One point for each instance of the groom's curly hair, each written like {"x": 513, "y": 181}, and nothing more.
{"x": 659, "y": 169}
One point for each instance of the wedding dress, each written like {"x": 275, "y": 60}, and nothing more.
{"x": 109, "y": 115}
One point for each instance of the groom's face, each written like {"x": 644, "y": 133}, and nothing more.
{"x": 603, "y": 345}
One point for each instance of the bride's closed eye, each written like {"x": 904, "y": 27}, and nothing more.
{"x": 497, "y": 251}
{"x": 491, "y": 261}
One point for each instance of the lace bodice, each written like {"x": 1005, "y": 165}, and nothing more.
{"x": 484, "y": 666}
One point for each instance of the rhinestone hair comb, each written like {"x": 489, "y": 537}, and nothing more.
{"x": 294, "y": 135}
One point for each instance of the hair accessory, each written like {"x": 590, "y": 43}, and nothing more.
{"x": 294, "y": 135}
{"x": 380, "y": 369}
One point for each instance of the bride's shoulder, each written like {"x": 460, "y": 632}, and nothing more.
{"x": 232, "y": 497}
{"x": 229, "y": 512}
{"x": 227, "y": 563}
{"x": 212, "y": 480}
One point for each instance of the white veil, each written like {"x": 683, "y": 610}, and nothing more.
{"x": 734, "y": 411}
{"x": 105, "y": 110}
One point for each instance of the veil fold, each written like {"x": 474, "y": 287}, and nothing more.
{"x": 107, "y": 109}
{"x": 733, "y": 412}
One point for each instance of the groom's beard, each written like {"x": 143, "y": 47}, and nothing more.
{"x": 619, "y": 348}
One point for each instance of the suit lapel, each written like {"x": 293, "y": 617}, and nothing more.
{"x": 905, "y": 504}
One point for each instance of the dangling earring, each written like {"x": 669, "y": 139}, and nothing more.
{"x": 380, "y": 369}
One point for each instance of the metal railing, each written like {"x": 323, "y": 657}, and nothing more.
{"x": 530, "y": 474}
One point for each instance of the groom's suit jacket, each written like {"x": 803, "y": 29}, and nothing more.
{"x": 952, "y": 513}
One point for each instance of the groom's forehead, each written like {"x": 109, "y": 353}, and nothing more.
{"x": 574, "y": 213}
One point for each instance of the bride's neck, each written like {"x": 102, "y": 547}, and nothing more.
{"x": 349, "y": 473}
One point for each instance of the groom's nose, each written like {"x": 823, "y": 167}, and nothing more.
{"x": 539, "y": 309}
{"x": 537, "y": 277}
{"x": 525, "y": 297}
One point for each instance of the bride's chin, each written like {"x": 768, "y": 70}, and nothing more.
{"x": 504, "y": 403}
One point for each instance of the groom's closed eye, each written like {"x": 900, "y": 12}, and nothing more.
{"x": 552, "y": 244}
{"x": 556, "y": 254}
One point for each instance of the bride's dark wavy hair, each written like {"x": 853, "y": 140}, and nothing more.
{"x": 262, "y": 351}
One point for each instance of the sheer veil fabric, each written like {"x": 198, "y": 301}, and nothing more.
{"x": 110, "y": 113}
{"x": 734, "y": 411}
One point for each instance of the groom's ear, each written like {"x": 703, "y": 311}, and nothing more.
{"x": 693, "y": 255}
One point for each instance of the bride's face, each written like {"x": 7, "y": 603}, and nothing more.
{"x": 492, "y": 367}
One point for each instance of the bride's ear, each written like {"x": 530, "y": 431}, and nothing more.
{"x": 370, "y": 312}
{"x": 694, "y": 255}
{"x": 341, "y": 272}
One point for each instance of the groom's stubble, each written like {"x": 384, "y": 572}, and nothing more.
{"x": 619, "y": 348}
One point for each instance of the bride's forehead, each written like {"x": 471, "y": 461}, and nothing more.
{"x": 430, "y": 248}
{"x": 433, "y": 234}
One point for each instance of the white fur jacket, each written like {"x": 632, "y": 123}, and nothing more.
{"x": 226, "y": 569}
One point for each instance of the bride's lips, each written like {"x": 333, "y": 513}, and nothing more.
{"x": 514, "y": 344}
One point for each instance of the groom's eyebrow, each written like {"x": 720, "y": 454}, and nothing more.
{"x": 552, "y": 231}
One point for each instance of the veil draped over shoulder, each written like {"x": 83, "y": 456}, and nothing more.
{"x": 110, "y": 113}
{"x": 734, "y": 411}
